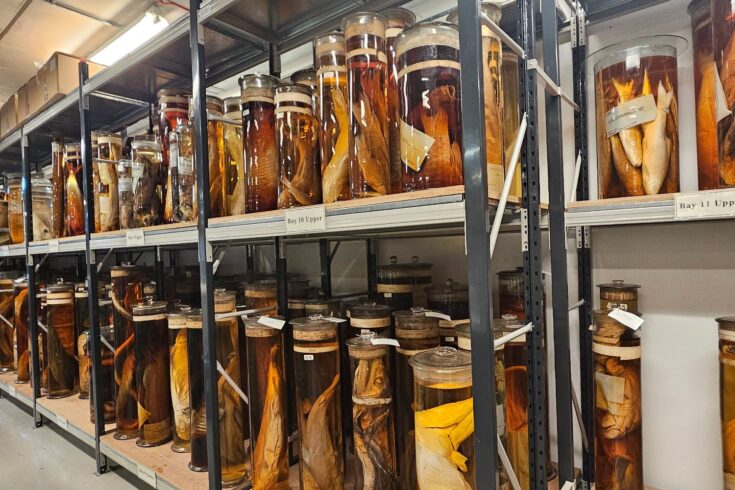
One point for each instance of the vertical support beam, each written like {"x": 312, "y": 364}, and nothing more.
{"x": 250, "y": 258}
{"x": 477, "y": 236}
{"x": 201, "y": 156}
{"x": 282, "y": 296}
{"x": 372, "y": 267}
{"x": 326, "y": 267}
{"x": 160, "y": 275}
{"x": 532, "y": 254}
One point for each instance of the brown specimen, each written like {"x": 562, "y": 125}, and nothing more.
{"x": 445, "y": 157}
{"x": 630, "y": 176}
{"x": 371, "y": 143}
{"x": 322, "y": 464}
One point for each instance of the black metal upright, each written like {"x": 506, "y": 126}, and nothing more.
{"x": 201, "y": 156}
{"x": 372, "y": 267}
{"x": 532, "y": 255}
{"x": 477, "y": 220}
{"x": 325, "y": 266}
{"x": 94, "y": 318}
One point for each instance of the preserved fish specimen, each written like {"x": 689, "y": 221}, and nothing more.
{"x": 42, "y": 316}
{"x": 723, "y": 27}
{"x": 151, "y": 373}
{"x": 366, "y": 68}
{"x": 198, "y": 461}
{"x": 82, "y": 333}
{"x": 181, "y": 194}
{"x": 431, "y": 137}
{"x": 638, "y": 118}
{"x": 74, "y": 208}
{"x": 370, "y": 317}
{"x": 179, "y": 374}
{"x": 7, "y": 357}
{"x": 618, "y": 442}
{"x": 511, "y": 293}
{"x": 308, "y": 77}
{"x": 125, "y": 193}
{"x": 234, "y": 176}
{"x": 333, "y": 116}
{"x": 317, "y": 368}
{"x": 16, "y": 226}
{"x": 259, "y": 123}
{"x": 511, "y": 115}
{"x": 296, "y": 134}
{"x": 107, "y": 377}
{"x": 58, "y": 187}
{"x": 20, "y": 322}
{"x": 451, "y": 299}
{"x": 216, "y": 150}
{"x": 618, "y": 294}
{"x": 61, "y": 348}
{"x": 727, "y": 397}
{"x": 41, "y": 207}
{"x": 106, "y": 195}
{"x": 147, "y": 162}
{"x": 268, "y": 416}
{"x": 443, "y": 419}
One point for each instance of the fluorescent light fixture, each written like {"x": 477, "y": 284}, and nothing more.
{"x": 147, "y": 27}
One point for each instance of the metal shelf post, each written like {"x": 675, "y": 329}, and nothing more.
{"x": 325, "y": 264}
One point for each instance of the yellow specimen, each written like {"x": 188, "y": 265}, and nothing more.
{"x": 179, "y": 369}
{"x": 322, "y": 462}
{"x": 631, "y": 137}
{"x": 337, "y": 171}
{"x": 656, "y": 145}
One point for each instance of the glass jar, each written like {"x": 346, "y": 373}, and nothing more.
{"x": 41, "y": 207}
{"x": 451, "y": 299}
{"x": 107, "y": 376}
{"x": 20, "y": 323}
{"x": 421, "y": 274}
{"x": 125, "y": 193}
{"x": 84, "y": 360}
{"x": 259, "y": 123}
{"x": 325, "y": 307}
{"x": 181, "y": 194}
{"x": 511, "y": 293}
{"x": 42, "y": 316}
{"x": 727, "y": 396}
{"x": 260, "y": 294}
{"x": 395, "y": 285}
{"x": 443, "y": 420}
{"x": 194, "y": 341}
{"x": 147, "y": 161}
{"x": 234, "y": 176}
{"x": 296, "y": 134}
{"x": 618, "y": 434}
{"x": 308, "y": 77}
{"x": 57, "y": 183}
{"x": 366, "y": 69}
{"x": 636, "y": 102}
{"x": 268, "y": 405}
{"x": 152, "y": 373}
{"x": 81, "y": 334}
{"x": 370, "y": 317}
{"x": 427, "y": 56}
{"x": 7, "y": 358}
{"x": 348, "y": 304}
{"x": 511, "y": 116}
{"x": 317, "y": 369}
{"x": 16, "y": 226}
{"x": 127, "y": 290}
{"x": 372, "y": 413}
{"x": 179, "y": 375}
{"x": 215, "y": 145}
{"x": 723, "y": 28}
{"x": 618, "y": 294}
{"x": 173, "y": 109}
{"x": 73, "y": 191}
{"x": 109, "y": 146}
{"x": 296, "y": 308}
{"x": 106, "y": 194}
{"x": 332, "y": 113}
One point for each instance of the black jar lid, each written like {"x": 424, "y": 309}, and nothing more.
{"x": 618, "y": 284}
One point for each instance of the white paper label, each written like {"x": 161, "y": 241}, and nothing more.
{"x": 383, "y": 341}
{"x": 62, "y": 422}
{"x": 436, "y": 314}
{"x": 53, "y": 246}
{"x": 627, "y": 318}
{"x": 629, "y": 114}
{"x": 306, "y": 219}
{"x": 333, "y": 319}
{"x": 415, "y": 145}
{"x": 271, "y": 322}
{"x": 449, "y": 339}
{"x": 185, "y": 166}
{"x": 308, "y": 357}
{"x": 134, "y": 237}
{"x": 147, "y": 475}
{"x": 711, "y": 204}
{"x": 124, "y": 184}
{"x": 11, "y": 391}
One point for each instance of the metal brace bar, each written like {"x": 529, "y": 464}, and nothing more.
{"x": 570, "y": 485}
{"x": 549, "y": 84}
{"x": 219, "y": 256}
{"x": 512, "y": 335}
{"x": 120, "y": 98}
{"x": 7, "y": 322}
{"x": 136, "y": 259}
{"x": 580, "y": 420}
{"x": 508, "y": 466}
{"x": 575, "y": 181}
{"x": 334, "y": 251}
{"x": 507, "y": 40}
{"x": 102, "y": 262}
{"x": 576, "y": 305}
{"x": 43, "y": 327}
{"x": 40, "y": 262}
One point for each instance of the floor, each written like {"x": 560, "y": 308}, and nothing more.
{"x": 47, "y": 457}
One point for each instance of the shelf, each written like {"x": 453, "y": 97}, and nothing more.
{"x": 161, "y": 235}
{"x": 17, "y": 250}
{"x": 20, "y": 392}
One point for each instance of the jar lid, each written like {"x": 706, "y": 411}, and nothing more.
{"x": 658, "y": 45}
{"x": 145, "y": 143}
{"x": 618, "y": 284}
{"x": 370, "y": 310}
{"x": 149, "y": 288}
{"x": 224, "y": 301}
{"x": 307, "y": 77}
{"x": 313, "y": 327}
{"x": 72, "y": 146}
{"x": 60, "y": 287}
{"x": 428, "y": 34}
{"x": 149, "y": 307}
{"x": 442, "y": 360}
{"x": 726, "y": 322}
{"x": 177, "y": 319}
{"x": 258, "y": 80}
{"x": 450, "y": 292}
{"x": 123, "y": 270}
{"x": 361, "y": 23}
{"x": 397, "y": 17}
{"x": 416, "y": 326}
{"x": 173, "y": 92}
{"x": 491, "y": 10}
{"x": 329, "y": 305}
{"x": 255, "y": 329}
{"x": 264, "y": 285}
{"x": 233, "y": 108}
{"x": 394, "y": 269}
{"x": 361, "y": 347}
{"x": 697, "y": 6}
{"x": 331, "y": 42}
{"x": 464, "y": 334}
{"x": 194, "y": 319}
{"x": 417, "y": 314}
{"x": 516, "y": 273}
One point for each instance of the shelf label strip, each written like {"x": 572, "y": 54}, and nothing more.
{"x": 711, "y": 204}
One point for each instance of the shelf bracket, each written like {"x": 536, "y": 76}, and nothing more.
{"x": 40, "y": 262}
{"x": 501, "y": 341}
{"x": 102, "y": 262}
{"x": 576, "y": 305}
{"x": 219, "y": 255}
{"x": 550, "y": 86}
{"x": 43, "y": 327}
{"x": 580, "y": 420}
{"x": 507, "y": 40}
{"x": 575, "y": 180}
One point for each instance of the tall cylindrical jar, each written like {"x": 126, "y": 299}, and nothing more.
{"x": 16, "y": 225}
{"x": 81, "y": 334}
{"x": 308, "y": 77}
{"x": 370, "y": 317}
{"x": 105, "y": 182}
{"x": 268, "y": 406}
{"x": 63, "y": 368}
{"x": 296, "y": 134}
{"x": 333, "y": 116}
{"x": 7, "y": 357}
{"x": 107, "y": 375}
{"x": 20, "y": 322}
{"x": 395, "y": 285}
{"x": 195, "y": 348}
{"x": 443, "y": 385}
{"x": 179, "y": 375}
{"x": 147, "y": 162}
{"x": 427, "y": 57}
{"x": 181, "y": 194}
{"x": 511, "y": 115}
{"x": 215, "y": 146}
{"x": 260, "y": 294}
{"x": 173, "y": 108}
{"x": 511, "y": 293}
{"x": 723, "y": 28}
{"x": 73, "y": 191}
{"x": 152, "y": 373}
{"x": 125, "y": 193}
{"x": 42, "y": 316}
{"x": 372, "y": 413}
{"x": 58, "y": 187}
{"x": 452, "y": 299}
{"x": 41, "y": 207}
{"x": 366, "y": 68}
{"x": 317, "y": 369}
{"x": 259, "y": 126}
{"x": 727, "y": 398}
{"x": 234, "y": 165}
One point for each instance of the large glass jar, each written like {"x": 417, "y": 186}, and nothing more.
{"x": 106, "y": 195}
{"x": 81, "y": 334}
{"x": 152, "y": 373}
{"x": 268, "y": 402}
{"x": 317, "y": 369}
{"x": 125, "y": 193}
{"x": 61, "y": 349}
{"x": 109, "y": 146}
{"x": 146, "y": 166}
{"x": 107, "y": 375}
{"x": 16, "y": 226}
{"x": 260, "y": 294}
{"x": 42, "y": 316}
{"x": 618, "y": 415}
{"x": 215, "y": 148}
{"x": 618, "y": 294}
{"x": 179, "y": 374}
{"x": 451, "y": 299}
{"x": 58, "y": 185}
{"x": 41, "y": 207}
{"x": 234, "y": 175}
{"x": 637, "y": 117}
{"x": 73, "y": 191}
{"x": 7, "y": 357}
{"x": 181, "y": 198}
{"x": 427, "y": 57}
{"x": 324, "y": 307}
{"x": 332, "y": 114}
{"x": 366, "y": 68}
{"x": 723, "y": 27}
{"x": 443, "y": 420}
{"x": 20, "y": 322}
{"x": 727, "y": 397}
{"x": 296, "y": 134}
{"x": 511, "y": 115}
{"x": 372, "y": 413}
{"x": 198, "y": 424}
{"x": 259, "y": 123}
{"x": 511, "y": 293}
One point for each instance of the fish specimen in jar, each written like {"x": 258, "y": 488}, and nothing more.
{"x": 727, "y": 160}
{"x": 444, "y": 153}
{"x": 21, "y": 333}
{"x": 231, "y": 423}
{"x": 492, "y": 103}
{"x": 371, "y": 143}
{"x": 6, "y": 332}
{"x": 262, "y": 171}
{"x": 179, "y": 368}
{"x": 300, "y": 188}
{"x": 656, "y": 145}
{"x": 671, "y": 182}
{"x": 728, "y": 437}
{"x": 234, "y": 147}
{"x": 323, "y": 469}
{"x": 337, "y": 172}
{"x": 630, "y": 138}
{"x": 216, "y": 204}
{"x": 109, "y": 216}
{"x": 630, "y": 176}
{"x": 74, "y": 205}
{"x": 605, "y": 171}
{"x": 626, "y": 417}
{"x": 146, "y": 204}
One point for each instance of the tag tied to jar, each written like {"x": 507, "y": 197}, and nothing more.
{"x": 627, "y": 318}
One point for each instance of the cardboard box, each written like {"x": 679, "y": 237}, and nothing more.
{"x": 35, "y": 96}
{"x": 9, "y": 115}
{"x": 23, "y": 108}
{"x": 59, "y": 76}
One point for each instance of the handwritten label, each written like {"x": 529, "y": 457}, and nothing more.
{"x": 308, "y": 357}
{"x": 436, "y": 314}
{"x": 384, "y": 341}
{"x": 628, "y": 319}
{"x": 147, "y": 475}
{"x": 271, "y": 322}
{"x": 306, "y": 219}
{"x": 630, "y": 114}
{"x": 712, "y": 204}
{"x": 53, "y": 246}
{"x": 135, "y": 237}
{"x": 62, "y": 422}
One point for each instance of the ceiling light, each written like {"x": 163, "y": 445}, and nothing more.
{"x": 147, "y": 27}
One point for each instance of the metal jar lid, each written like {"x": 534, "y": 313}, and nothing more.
{"x": 442, "y": 364}
{"x": 149, "y": 310}
{"x": 618, "y": 284}
{"x": 313, "y": 328}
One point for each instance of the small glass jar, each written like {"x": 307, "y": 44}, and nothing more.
{"x": 511, "y": 293}
{"x": 618, "y": 294}
{"x": 726, "y": 347}
{"x": 107, "y": 376}
{"x": 296, "y": 135}
{"x": 179, "y": 375}
{"x": 181, "y": 199}
{"x": 61, "y": 349}
{"x": 234, "y": 175}
{"x": 7, "y": 356}
{"x": 443, "y": 392}
{"x": 57, "y": 183}
{"x": 16, "y": 226}
{"x": 317, "y": 370}
{"x": 147, "y": 162}
{"x": 261, "y": 158}
{"x": 106, "y": 195}
{"x": 20, "y": 323}
{"x": 41, "y": 207}
{"x": 451, "y": 299}
{"x": 73, "y": 176}
{"x": 125, "y": 193}
{"x": 371, "y": 317}
{"x": 195, "y": 348}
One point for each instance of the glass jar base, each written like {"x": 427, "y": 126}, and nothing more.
{"x": 63, "y": 394}
{"x": 142, "y": 443}
{"x": 125, "y": 436}
{"x": 198, "y": 469}
{"x": 21, "y": 382}
{"x": 84, "y": 396}
{"x": 235, "y": 481}
{"x": 5, "y": 369}
{"x": 181, "y": 448}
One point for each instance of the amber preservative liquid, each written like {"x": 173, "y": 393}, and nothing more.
{"x": 511, "y": 293}
{"x": 179, "y": 375}
{"x": 127, "y": 290}
{"x": 215, "y": 144}
{"x": 81, "y": 336}
{"x": 638, "y": 153}
{"x": 333, "y": 116}
{"x": 727, "y": 398}
{"x": 395, "y": 285}
{"x": 147, "y": 161}
{"x": 63, "y": 368}
{"x": 511, "y": 116}
{"x": 182, "y": 167}
{"x": 107, "y": 376}
{"x": 431, "y": 136}
{"x": 16, "y": 226}
{"x": 366, "y": 69}
{"x": 618, "y": 417}
{"x": 618, "y": 294}
{"x": 42, "y": 316}
{"x": 308, "y": 78}
{"x": 268, "y": 406}
{"x": 173, "y": 109}
{"x": 296, "y": 133}
{"x": 317, "y": 370}
{"x": 443, "y": 419}
{"x": 259, "y": 126}
{"x": 7, "y": 356}
{"x": 451, "y": 299}
{"x": 416, "y": 333}
{"x": 234, "y": 165}
{"x": 723, "y": 28}
{"x": 84, "y": 360}
{"x": 20, "y": 322}
{"x": 198, "y": 460}
{"x": 74, "y": 208}
{"x": 58, "y": 187}
{"x": 105, "y": 182}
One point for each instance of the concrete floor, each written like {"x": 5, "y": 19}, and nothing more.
{"x": 48, "y": 457}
